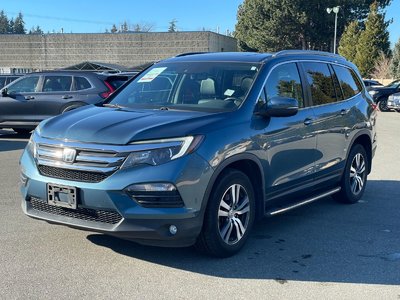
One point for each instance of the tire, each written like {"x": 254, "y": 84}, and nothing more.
{"x": 354, "y": 179}
{"x": 227, "y": 223}
{"x": 382, "y": 104}
{"x": 22, "y": 131}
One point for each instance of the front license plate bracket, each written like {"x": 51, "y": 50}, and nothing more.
{"x": 63, "y": 196}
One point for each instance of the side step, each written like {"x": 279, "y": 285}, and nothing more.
{"x": 280, "y": 210}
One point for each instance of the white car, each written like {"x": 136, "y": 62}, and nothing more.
{"x": 393, "y": 102}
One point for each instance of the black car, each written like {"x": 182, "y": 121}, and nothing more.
{"x": 38, "y": 96}
{"x": 381, "y": 94}
{"x": 369, "y": 84}
{"x": 8, "y": 78}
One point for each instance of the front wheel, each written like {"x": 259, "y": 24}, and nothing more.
{"x": 229, "y": 216}
{"x": 354, "y": 178}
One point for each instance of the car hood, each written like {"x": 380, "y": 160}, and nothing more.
{"x": 105, "y": 125}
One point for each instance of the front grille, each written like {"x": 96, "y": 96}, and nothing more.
{"x": 86, "y": 214}
{"x": 74, "y": 175}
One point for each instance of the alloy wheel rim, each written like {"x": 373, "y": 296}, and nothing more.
{"x": 357, "y": 174}
{"x": 233, "y": 214}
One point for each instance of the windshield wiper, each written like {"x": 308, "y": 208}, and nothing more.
{"x": 112, "y": 105}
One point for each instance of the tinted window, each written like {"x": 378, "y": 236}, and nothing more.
{"x": 321, "y": 83}
{"x": 81, "y": 83}
{"x": 2, "y": 81}
{"x": 284, "y": 81}
{"x": 57, "y": 83}
{"x": 347, "y": 81}
{"x": 25, "y": 85}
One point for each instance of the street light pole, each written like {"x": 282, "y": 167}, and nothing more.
{"x": 335, "y": 10}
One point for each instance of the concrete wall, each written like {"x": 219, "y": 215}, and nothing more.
{"x": 51, "y": 51}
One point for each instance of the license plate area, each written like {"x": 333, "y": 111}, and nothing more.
{"x": 61, "y": 195}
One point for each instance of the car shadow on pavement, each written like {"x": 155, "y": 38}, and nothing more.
{"x": 322, "y": 242}
{"x": 10, "y": 140}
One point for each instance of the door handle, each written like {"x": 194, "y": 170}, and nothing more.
{"x": 308, "y": 121}
{"x": 66, "y": 97}
{"x": 29, "y": 97}
{"x": 344, "y": 112}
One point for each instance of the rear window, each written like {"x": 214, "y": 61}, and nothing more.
{"x": 117, "y": 81}
{"x": 321, "y": 83}
{"x": 348, "y": 81}
{"x": 81, "y": 83}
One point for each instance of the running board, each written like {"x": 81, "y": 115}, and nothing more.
{"x": 284, "y": 209}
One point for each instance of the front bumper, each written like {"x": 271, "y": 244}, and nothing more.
{"x": 105, "y": 207}
{"x": 393, "y": 104}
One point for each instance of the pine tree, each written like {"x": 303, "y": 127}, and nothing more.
{"x": 349, "y": 40}
{"x": 3, "y": 23}
{"x": 395, "y": 64}
{"x": 36, "y": 30}
{"x": 373, "y": 40}
{"x": 19, "y": 25}
{"x": 172, "y": 26}
{"x": 113, "y": 29}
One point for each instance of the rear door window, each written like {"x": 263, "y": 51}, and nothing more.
{"x": 320, "y": 81}
{"x": 348, "y": 81}
{"x": 57, "y": 83}
{"x": 284, "y": 81}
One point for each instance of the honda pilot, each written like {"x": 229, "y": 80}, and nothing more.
{"x": 198, "y": 147}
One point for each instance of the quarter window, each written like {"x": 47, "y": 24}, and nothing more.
{"x": 348, "y": 81}
{"x": 321, "y": 83}
{"x": 25, "y": 85}
{"x": 81, "y": 83}
{"x": 57, "y": 83}
{"x": 284, "y": 81}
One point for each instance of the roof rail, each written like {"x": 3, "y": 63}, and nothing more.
{"x": 307, "y": 52}
{"x": 189, "y": 53}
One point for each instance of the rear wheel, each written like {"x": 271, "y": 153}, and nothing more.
{"x": 23, "y": 131}
{"x": 383, "y": 105}
{"x": 354, "y": 178}
{"x": 229, "y": 216}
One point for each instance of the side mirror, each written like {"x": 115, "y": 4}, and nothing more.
{"x": 279, "y": 107}
{"x": 4, "y": 92}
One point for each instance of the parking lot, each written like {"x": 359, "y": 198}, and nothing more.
{"x": 322, "y": 251}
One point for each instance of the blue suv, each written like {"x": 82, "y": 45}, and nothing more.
{"x": 197, "y": 147}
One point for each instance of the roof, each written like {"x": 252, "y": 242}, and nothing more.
{"x": 251, "y": 57}
{"x": 97, "y": 67}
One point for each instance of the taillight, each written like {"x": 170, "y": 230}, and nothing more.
{"x": 109, "y": 92}
{"x": 374, "y": 106}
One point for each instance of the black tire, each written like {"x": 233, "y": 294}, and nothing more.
{"x": 22, "y": 131}
{"x": 382, "y": 104}
{"x": 225, "y": 230}
{"x": 354, "y": 179}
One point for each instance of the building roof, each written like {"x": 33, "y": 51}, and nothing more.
{"x": 97, "y": 67}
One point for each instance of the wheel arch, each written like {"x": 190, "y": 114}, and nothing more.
{"x": 248, "y": 164}
{"x": 363, "y": 138}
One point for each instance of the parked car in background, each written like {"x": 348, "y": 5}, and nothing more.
{"x": 369, "y": 84}
{"x": 8, "y": 78}
{"x": 393, "y": 102}
{"x": 38, "y": 96}
{"x": 197, "y": 147}
{"x": 381, "y": 94}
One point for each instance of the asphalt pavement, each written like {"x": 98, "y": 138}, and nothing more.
{"x": 325, "y": 250}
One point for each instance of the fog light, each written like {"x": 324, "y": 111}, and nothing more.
{"x": 173, "y": 229}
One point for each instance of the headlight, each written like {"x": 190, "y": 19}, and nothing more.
{"x": 372, "y": 92}
{"x": 31, "y": 147}
{"x": 159, "y": 152}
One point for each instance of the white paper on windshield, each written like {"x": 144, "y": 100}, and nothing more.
{"x": 153, "y": 73}
{"x": 229, "y": 92}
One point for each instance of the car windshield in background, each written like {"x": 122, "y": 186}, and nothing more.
{"x": 394, "y": 84}
{"x": 203, "y": 86}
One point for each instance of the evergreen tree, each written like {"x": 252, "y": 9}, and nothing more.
{"x": 19, "y": 25}
{"x": 11, "y": 26}
{"x": 172, "y": 26}
{"x": 36, "y": 30}
{"x": 113, "y": 29}
{"x": 373, "y": 40}
{"x": 349, "y": 40}
{"x": 270, "y": 25}
{"x": 3, "y": 23}
{"x": 124, "y": 27}
{"x": 395, "y": 64}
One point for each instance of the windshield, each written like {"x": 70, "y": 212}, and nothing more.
{"x": 394, "y": 84}
{"x": 203, "y": 86}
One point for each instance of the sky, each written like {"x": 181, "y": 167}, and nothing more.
{"x": 96, "y": 16}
